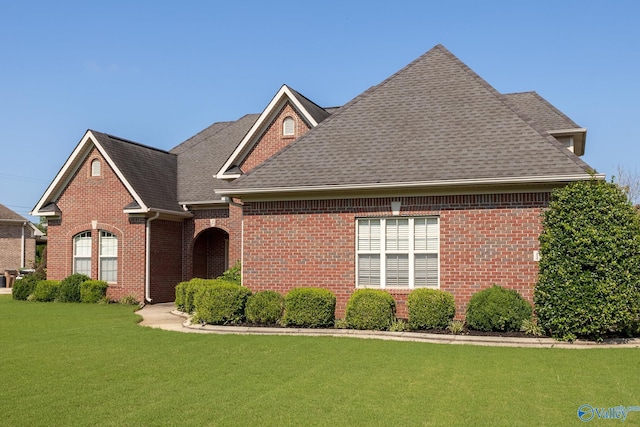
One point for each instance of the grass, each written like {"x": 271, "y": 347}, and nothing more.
{"x": 80, "y": 364}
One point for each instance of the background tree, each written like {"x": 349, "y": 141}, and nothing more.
{"x": 588, "y": 284}
{"x": 629, "y": 181}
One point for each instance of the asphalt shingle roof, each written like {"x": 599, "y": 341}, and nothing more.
{"x": 201, "y": 157}
{"x": 150, "y": 171}
{"x": 545, "y": 115}
{"x": 434, "y": 120}
{"x": 8, "y": 214}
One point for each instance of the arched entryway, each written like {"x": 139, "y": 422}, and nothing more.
{"x": 211, "y": 253}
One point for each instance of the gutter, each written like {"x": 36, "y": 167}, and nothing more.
{"x": 400, "y": 185}
{"x": 147, "y": 260}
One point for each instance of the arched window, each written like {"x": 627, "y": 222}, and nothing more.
{"x": 108, "y": 257}
{"x": 82, "y": 253}
{"x": 288, "y": 126}
{"x": 95, "y": 167}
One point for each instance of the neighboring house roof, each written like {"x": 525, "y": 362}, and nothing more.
{"x": 433, "y": 123}
{"x": 7, "y": 215}
{"x": 309, "y": 111}
{"x": 149, "y": 174}
{"x": 202, "y": 155}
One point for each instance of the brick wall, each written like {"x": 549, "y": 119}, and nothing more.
{"x": 92, "y": 204}
{"x": 11, "y": 247}
{"x": 166, "y": 259}
{"x": 218, "y": 222}
{"x": 484, "y": 240}
{"x": 272, "y": 140}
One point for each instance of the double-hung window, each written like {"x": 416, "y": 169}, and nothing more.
{"x": 398, "y": 252}
{"x": 108, "y": 257}
{"x": 82, "y": 253}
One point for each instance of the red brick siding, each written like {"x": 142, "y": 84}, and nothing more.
{"x": 11, "y": 247}
{"x": 272, "y": 140}
{"x": 100, "y": 199}
{"x": 224, "y": 219}
{"x": 484, "y": 239}
{"x": 166, "y": 259}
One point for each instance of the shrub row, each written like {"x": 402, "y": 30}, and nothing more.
{"x": 74, "y": 288}
{"x": 220, "y": 302}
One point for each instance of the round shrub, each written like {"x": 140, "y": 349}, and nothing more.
{"x": 430, "y": 309}
{"x": 220, "y": 303}
{"x": 92, "y": 291}
{"x": 371, "y": 309}
{"x": 309, "y": 308}
{"x": 264, "y": 308}
{"x": 24, "y": 287}
{"x": 497, "y": 309}
{"x": 69, "y": 290}
{"x": 590, "y": 263}
{"x": 46, "y": 290}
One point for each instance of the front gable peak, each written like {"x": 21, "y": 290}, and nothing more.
{"x": 289, "y": 114}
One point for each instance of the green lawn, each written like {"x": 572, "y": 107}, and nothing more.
{"x": 75, "y": 364}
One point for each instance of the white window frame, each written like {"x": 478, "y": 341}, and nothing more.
{"x": 383, "y": 251}
{"x": 108, "y": 253}
{"x": 82, "y": 251}
{"x": 288, "y": 126}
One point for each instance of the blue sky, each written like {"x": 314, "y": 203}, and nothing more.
{"x": 158, "y": 72}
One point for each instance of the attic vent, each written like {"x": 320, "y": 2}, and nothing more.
{"x": 288, "y": 126}
{"x": 95, "y": 167}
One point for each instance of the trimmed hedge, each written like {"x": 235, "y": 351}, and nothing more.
{"x": 46, "y": 290}
{"x": 92, "y": 291}
{"x": 186, "y": 293}
{"x": 264, "y": 308}
{"x": 370, "y": 309}
{"x": 220, "y": 303}
{"x": 430, "y": 309}
{"x": 24, "y": 287}
{"x": 70, "y": 288}
{"x": 497, "y": 309}
{"x": 309, "y": 308}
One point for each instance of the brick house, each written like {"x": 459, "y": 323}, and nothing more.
{"x": 431, "y": 178}
{"x": 17, "y": 241}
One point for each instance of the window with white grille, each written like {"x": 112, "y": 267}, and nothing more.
{"x": 108, "y": 257}
{"x": 398, "y": 252}
{"x": 82, "y": 253}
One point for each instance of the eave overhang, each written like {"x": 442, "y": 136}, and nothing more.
{"x": 579, "y": 138}
{"x": 463, "y": 186}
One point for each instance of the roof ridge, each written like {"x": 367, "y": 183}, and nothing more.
{"x": 227, "y": 123}
{"x": 340, "y": 111}
{"x": 128, "y": 141}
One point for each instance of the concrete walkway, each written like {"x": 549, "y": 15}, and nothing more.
{"x": 164, "y": 316}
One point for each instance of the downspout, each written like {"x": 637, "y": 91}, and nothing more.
{"x": 147, "y": 261}
{"x": 22, "y": 246}
{"x": 230, "y": 200}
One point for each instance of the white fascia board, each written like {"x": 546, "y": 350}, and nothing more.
{"x": 267, "y": 115}
{"x": 567, "y": 131}
{"x": 425, "y": 184}
{"x": 68, "y": 172}
{"x": 62, "y": 178}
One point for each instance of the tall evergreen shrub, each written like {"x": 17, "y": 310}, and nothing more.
{"x": 589, "y": 281}
{"x": 69, "y": 290}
